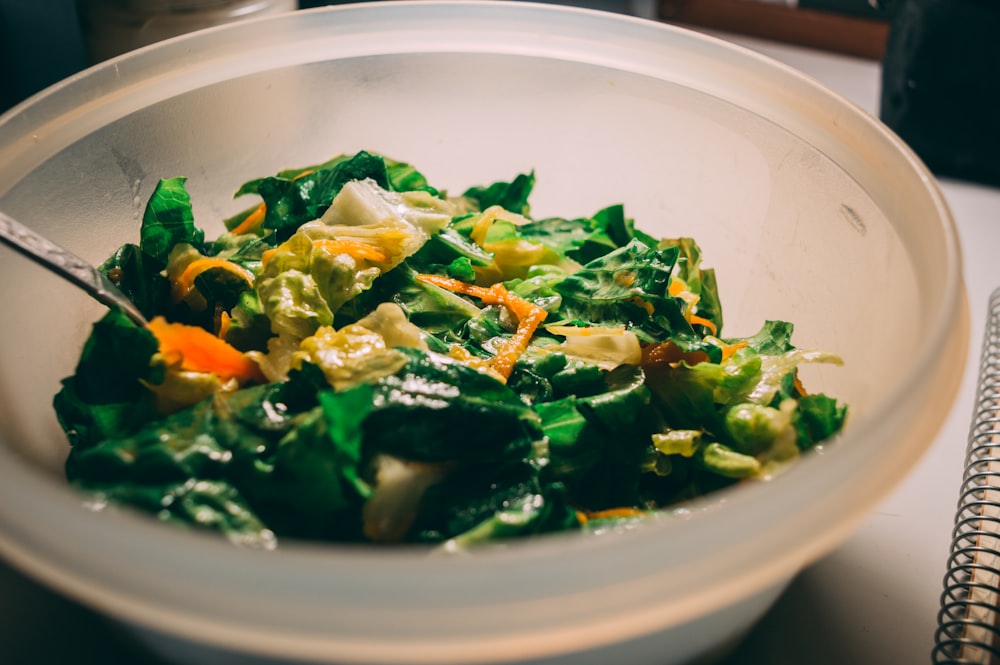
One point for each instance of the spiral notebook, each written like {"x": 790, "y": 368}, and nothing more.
{"x": 969, "y": 619}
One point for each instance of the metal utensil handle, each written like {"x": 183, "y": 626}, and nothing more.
{"x": 66, "y": 264}
{"x": 969, "y": 620}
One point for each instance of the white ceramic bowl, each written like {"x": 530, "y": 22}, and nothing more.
{"x": 809, "y": 209}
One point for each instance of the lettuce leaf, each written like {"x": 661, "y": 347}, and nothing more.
{"x": 748, "y": 405}
{"x": 296, "y": 197}
{"x": 437, "y": 409}
{"x": 168, "y": 221}
{"x": 587, "y": 238}
{"x": 482, "y": 503}
{"x": 512, "y": 196}
{"x": 298, "y": 472}
{"x": 700, "y": 281}
{"x": 628, "y": 287}
{"x": 104, "y": 398}
{"x": 139, "y": 277}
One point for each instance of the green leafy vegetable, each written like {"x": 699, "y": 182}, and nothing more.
{"x": 168, "y": 221}
{"x": 362, "y": 358}
{"x": 512, "y": 196}
{"x": 428, "y": 410}
{"x": 296, "y": 197}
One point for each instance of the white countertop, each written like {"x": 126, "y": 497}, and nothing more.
{"x": 872, "y": 601}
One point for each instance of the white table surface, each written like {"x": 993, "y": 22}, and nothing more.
{"x": 873, "y": 601}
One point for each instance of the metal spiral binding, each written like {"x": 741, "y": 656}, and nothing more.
{"x": 969, "y": 619}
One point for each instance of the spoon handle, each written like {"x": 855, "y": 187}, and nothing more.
{"x": 66, "y": 264}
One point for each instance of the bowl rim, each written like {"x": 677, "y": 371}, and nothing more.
{"x": 631, "y": 584}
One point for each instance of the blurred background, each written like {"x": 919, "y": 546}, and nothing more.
{"x": 42, "y": 41}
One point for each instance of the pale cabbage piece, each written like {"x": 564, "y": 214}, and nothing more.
{"x": 684, "y": 442}
{"x": 399, "y": 486}
{"x": 276, "y": 363}
{"x": 513, "y": 255}
{"x": 605, "y": 347}
{"x": 181, "y": 256}
{"x": 300, "y": 287}
{"x": 366, "y": 232}
{"x": 183, "y": 388}
{"x": 348, "y": 356}
{"x": 398, "y": 224}
{"x": 344, "y": 355}
{"x": 389, "y": 321}
{"x": 294, "y": 303}
{"x": 774, "y": 368}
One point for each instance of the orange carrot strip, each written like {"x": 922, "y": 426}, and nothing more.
{"x": 529, "y": 317}
{"x": 615, "y": 512}
{"x": 455, "y": 285}
{"x": 503, "y": 362}
{"x": 252, "y": 221}
{"x": 185, "y": 283}
{"x": 677, "y": 286}
{"x": 643, "y": 303}
{"x": 198, "y": 350}
{"x": 700, "y": 320}
{"x": 357, "y": 249}
{"x": 224, "y": 322}
{"x": 729, "y": 349}
{"x": 521, "y": 308}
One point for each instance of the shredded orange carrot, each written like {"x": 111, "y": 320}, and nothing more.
{"x": 645, "y": 304}
{"x": 252, "y": 221}
{"x": 676, "y": 288}
{"x": 185, "y": 283}
{"x": 455, "y": 285}
{"x": 615, "y": 512}
{"x": 529, "y": 317}
{"x": 356, "y": 248}
{"x": 198, "y": 350}
{"x": 224, "y": 321}
{"x": 700, "y": 320}
{"x": 503, "y": 362}
{"x": 729, "y": 349}
{"x": 304, "y": 174}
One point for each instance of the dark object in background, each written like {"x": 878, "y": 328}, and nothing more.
{"x": 941, "y": 85}
{"x": 877, "y": 9}
{"x": 840, "y": 26}
{"x": 113, "y": 27}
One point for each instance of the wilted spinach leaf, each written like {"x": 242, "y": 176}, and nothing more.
{"x": 512, "y": 196}
{"x": 104, "y": 397}
{"x": 437, "y": 409}
{"x": 294, "y": 198}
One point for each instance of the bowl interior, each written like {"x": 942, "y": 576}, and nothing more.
{"x": 792, "y": 234}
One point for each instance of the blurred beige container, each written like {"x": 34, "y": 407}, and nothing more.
{"x": 113, "y": 27}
